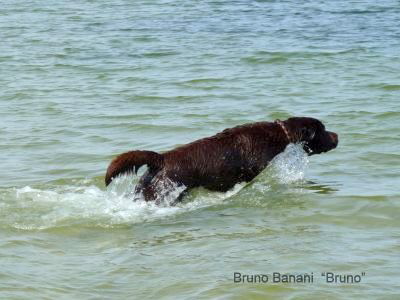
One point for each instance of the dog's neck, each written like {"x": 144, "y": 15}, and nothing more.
{"x": 284, "y": 129}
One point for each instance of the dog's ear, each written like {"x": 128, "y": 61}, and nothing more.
{"x": 307, "y": 134}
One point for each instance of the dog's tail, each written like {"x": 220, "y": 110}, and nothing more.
{"x": 131, "y": 162}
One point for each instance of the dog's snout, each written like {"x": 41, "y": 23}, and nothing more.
{"x": 334, "y": 137}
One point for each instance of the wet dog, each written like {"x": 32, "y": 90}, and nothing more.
{"x": 219, "y": 162}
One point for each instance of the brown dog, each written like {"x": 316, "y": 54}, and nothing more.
{"x": 219, "y": 162}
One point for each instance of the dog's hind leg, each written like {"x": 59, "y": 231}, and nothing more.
{"x": 159, "y": 188}
{"x": 144, "y": 187}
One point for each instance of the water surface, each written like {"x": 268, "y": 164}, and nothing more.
{"x": 81, "y": 81}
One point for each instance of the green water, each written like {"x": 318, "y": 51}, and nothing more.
{"x": 81, "y": 81}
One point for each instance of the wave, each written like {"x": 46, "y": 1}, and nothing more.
{"x": 280, "y": 57}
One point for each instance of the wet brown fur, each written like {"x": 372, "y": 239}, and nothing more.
{"x": 219, "y": 162}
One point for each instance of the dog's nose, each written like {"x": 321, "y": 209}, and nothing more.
{"x": 334, "y": 137}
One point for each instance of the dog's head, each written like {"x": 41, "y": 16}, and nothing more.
{"x": 312, "y": 134}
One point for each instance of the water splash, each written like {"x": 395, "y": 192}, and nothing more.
{"x": 83, "y": 204}
{"x": 278, "y": 184}
{"x": 290, "y": 165}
